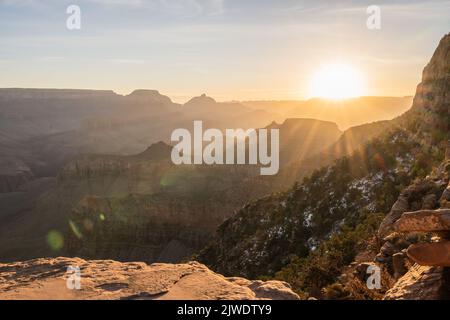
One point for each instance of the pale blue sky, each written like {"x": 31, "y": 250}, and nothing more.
{"x": 229, "y": 49}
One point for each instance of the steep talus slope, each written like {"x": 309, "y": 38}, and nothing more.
{"x": 49, "y": 279}
{"x": 310, "y": 233}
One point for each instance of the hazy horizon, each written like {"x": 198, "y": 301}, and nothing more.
{"x": 263, "y": 50}
{"x": 199, "y": 94}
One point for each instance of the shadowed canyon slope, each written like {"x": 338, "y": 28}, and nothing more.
{"x": 150, "y": 209}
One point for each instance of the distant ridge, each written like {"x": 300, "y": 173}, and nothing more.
{"x": 32, "y": 93}
{"x": 201, "y": 100}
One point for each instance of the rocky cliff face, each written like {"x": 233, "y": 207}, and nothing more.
{"x": 422, "y": 209}
{"x": 432, "y": 99}
{"x": 47, "y": 279}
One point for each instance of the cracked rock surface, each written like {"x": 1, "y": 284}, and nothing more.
{"x": 43, "y": 279}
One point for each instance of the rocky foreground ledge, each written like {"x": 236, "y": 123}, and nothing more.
{"x": 44, "y": 279}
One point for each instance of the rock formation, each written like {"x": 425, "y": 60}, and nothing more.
{"x": 428, "y": 278}
{"x": 420, "y": 283}
{"x": 44, "y": 279}
{"x": 430, "y": 254}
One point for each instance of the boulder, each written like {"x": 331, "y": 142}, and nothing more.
{"x": 430, "y": 254}
{"x": 424, "y": 221}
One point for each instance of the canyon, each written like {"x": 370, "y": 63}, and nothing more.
{"x": 89, "y": 175}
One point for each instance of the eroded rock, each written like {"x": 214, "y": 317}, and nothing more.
{"x": 431, "y": 254}
{"x": 424, "y": 221}
{"x": 110, "y": 280}
{"x": 419, "y": 283}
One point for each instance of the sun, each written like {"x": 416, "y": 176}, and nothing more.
{"x": 337, "y": 81}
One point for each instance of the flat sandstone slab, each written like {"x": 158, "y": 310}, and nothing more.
{"x": 424, "y": 221}
{"x": 430, "y": 254}
{"x": 48, "y": 279}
